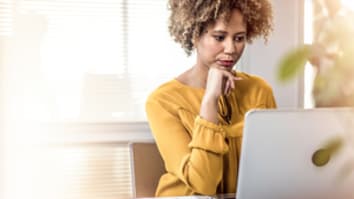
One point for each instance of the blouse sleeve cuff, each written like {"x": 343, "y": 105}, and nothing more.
{"x": 208, "y": 136}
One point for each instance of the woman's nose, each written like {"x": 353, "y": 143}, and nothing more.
{"x": 230, "y": 46}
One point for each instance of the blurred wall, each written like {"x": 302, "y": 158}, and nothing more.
{"x": 262, "y": 59}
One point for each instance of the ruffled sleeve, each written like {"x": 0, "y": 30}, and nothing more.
{"x": 191, "y": 147}
{"x": 208, "y": 136}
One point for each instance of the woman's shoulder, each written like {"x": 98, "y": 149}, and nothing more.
{"x": 252, "y": 81}
{"x": 253, "y": 84}
{"x": 168, "y": 90}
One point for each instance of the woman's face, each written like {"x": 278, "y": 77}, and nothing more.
{"x": 222, "y": 44}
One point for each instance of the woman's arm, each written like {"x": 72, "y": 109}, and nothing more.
{"x": 219, "y": 82}
{"x": 196, "y": 159}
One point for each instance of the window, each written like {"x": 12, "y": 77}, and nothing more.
{"x": 82, "y": 61}
{"x": 86, "y": 59}
{"x": 309, "y": 70}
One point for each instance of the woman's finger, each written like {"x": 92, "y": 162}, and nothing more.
{"x": 229, "y": 78}
{"x": 227, "y": 85}
{"x": 232, "y": 83}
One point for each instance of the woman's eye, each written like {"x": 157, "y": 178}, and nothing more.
{"x": 219, "y": 37}
{"x": 240, "y": 38}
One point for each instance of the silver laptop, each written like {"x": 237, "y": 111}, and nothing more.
{"x": 304, "y": 154}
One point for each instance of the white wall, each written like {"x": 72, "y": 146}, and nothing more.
{"x": 262, "y": 60}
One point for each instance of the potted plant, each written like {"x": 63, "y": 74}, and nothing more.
{"x": 332, "y": 55}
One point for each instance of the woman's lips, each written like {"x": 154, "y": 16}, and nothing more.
{"x": 226, "y": 63}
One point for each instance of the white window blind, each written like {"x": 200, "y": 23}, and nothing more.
{"x": 86, "y": 171}
{"x": 6, "y": 17}
{"x": 70, "y": 160}
{"x": 72, "y": 171}
{"x": 79, "y": 60}
{"x": 88, "y": 59}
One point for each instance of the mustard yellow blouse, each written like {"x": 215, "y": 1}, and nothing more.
{"x": 201, "y": 157}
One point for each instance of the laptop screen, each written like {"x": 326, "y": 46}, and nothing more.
{"x": 278, "y": 158}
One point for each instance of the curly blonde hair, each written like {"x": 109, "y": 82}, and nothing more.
{"x": 190, "y": 18}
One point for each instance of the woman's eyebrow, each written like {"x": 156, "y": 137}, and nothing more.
{"x": 241, "y": 33}
{"x": 219, "y": 31}
{"x": 225, "y": 32}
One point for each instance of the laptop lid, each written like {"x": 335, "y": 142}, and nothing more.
{"x": 284, "y": 154}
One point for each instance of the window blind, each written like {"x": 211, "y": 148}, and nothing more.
{"x": 83, "y": 171}
{"x": 71, "y": 160}
{"x": 6, "y": 17}
{"x": 80, "y": 60}
{"x": 77, "y": 51}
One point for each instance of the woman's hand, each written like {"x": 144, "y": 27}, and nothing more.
{"x": 220, "y": 81}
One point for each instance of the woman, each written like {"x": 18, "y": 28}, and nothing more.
{"x": 197, "y": 118}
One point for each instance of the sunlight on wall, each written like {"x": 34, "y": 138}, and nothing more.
{"x": 309, "y": 70}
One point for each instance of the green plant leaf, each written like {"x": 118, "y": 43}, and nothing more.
{"x": 293, "y": 62}
{"x": 333, "y": 145}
